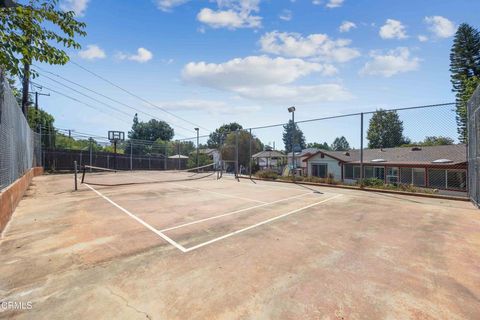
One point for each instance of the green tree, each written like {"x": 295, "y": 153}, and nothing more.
{"x": 203, "y": 160}
{"x": 36, "y": 32}
{"x": 385, "y": 130}
{"x": 151, "y": 130}
{"x": 464, "y": 65}
{"x": 244, "y": 138}
{"x": 215, "y": 139}
{"x": 340, "y": 144}
{"x": 436, "y": 141}
{"x": 316, "y": 145}
{"x": 291, "y": 130}
{"x": 43, "y": 123}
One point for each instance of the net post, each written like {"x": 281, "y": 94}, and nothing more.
{"x": 83, "y": 173}
{"x": 361, "y": 150}
{"x": 75, "y": 174}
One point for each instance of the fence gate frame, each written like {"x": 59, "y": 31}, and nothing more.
{"x": 473, "y": 122}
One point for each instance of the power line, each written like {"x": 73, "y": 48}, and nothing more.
{"x": 138, "y": 97}
{"x": 79, "y": 101}
{"x": 102, "y": 95}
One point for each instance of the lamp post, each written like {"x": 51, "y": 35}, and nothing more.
{"x": 198, "y": 162}
{"x": 292, "y": 111}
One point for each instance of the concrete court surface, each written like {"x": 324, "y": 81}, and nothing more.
{"x": 224, "y": 249}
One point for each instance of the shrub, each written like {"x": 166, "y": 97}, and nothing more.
{"x": 372, "y": 182}
{"x": 267, "y": 174}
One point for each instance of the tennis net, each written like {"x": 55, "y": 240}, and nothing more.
{"x": 110, "y": 177}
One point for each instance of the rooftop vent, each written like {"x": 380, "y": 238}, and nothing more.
{"x": 378, "y": 160}
{"x": 416, "y": 149}
{"x": 347, "y": 154}
{"x": 442, "y": 161}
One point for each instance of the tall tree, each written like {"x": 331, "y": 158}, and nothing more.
{"x": 151, "y": 130}
{"x": 316, "y": 145}
{"x": 215, "y": 139}
{"x": 464, "y": 64}
{"x": 293, "y": 136}
{"x": 36, "y": 32}
{"x": 340, "y": 144}
{"x": 437, "y": 141}
{"x": 385, "y": 130}
{"x": 244, "y": 139}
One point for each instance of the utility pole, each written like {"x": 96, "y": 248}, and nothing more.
{"x": 36, "y": 98}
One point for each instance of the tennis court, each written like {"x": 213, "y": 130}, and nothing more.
{"x": 128, "y": 247}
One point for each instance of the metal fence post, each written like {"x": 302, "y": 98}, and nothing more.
{"x": 131, "y": 155}
{"x": 75, "y": 174}
{"x": 250, "y": 138}
{"x": 236, "y": 154}
{"x": 91, "y": 153}
{"x": 361, "y": 149}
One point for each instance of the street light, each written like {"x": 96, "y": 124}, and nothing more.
{"x": 197, "y": 129}
{"x": 292, "y": 111}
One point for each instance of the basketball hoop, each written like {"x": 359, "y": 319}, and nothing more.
{"x": 115, "y": 137}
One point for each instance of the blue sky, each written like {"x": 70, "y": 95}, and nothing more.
{"x": 212, "y": 62}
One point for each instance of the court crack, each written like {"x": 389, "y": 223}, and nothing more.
{"x": 149, "y": 317}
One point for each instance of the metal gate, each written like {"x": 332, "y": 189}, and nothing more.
{"x": 474, "y": 147}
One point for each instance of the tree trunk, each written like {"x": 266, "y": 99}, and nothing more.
{"x": 25, "y": 84}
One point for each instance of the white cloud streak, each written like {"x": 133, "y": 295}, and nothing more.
{"x": 317, "y": 46}
{"x": 441, "y": 27}
{"x": 393, "y": 29}
{"x": 77, "y": 6}
{"x": 92, "y": 52}
{"x": 393, "y": 62}
{"x": 143, "y": 55}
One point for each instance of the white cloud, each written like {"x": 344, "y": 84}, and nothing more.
{"x": 330, "y": 4}
{"x": 346, "y": 26}
{"x": 168, "y": 5}
{"x": 393, "y": 29}
{"x": 334, "y": 3}
{"x": 214, "y": 107}
{"x": 142, "y": 55}
{"x": 318, "y": 46}
{"x": 264, "y": 78}
{"x": 441, "y": 27}
{"x": 78, "y": 6}
{"x": 92, "y": 52}
{"x": 286, "y": 15}
{"x": 232, "y": 14}
{"x": 422, "y": 38}
{"x": 393, "y": 62}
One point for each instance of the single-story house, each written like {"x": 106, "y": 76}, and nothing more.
{"x": 214, "y": 154}
{"x": 269, "y": 159}
{"x": 439, "y": 167}
{"x": 300, "y": 165}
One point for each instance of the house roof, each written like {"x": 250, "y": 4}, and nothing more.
{"x": 304, "y": 152}
{"x": 269, "y": 154}
{"x": 455, "y": 153}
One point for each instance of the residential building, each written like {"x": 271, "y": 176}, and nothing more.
{"x": 438, "y": 167}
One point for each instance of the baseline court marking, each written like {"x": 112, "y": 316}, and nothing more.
{"x": 259, "y": 224}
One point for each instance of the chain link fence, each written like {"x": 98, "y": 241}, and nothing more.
{"x": 20, "y": 147}
{"x": 474, "y": 147}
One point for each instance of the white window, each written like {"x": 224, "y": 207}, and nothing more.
{"x": 392, "y": 175}
{"x": 320, "y": 170}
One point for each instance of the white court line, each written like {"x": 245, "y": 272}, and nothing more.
{"x": 208, "y": 191}
{"x": 233, "y": 212}
{"x": 159, "y": 233}
{"x": 258, "y": 224}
